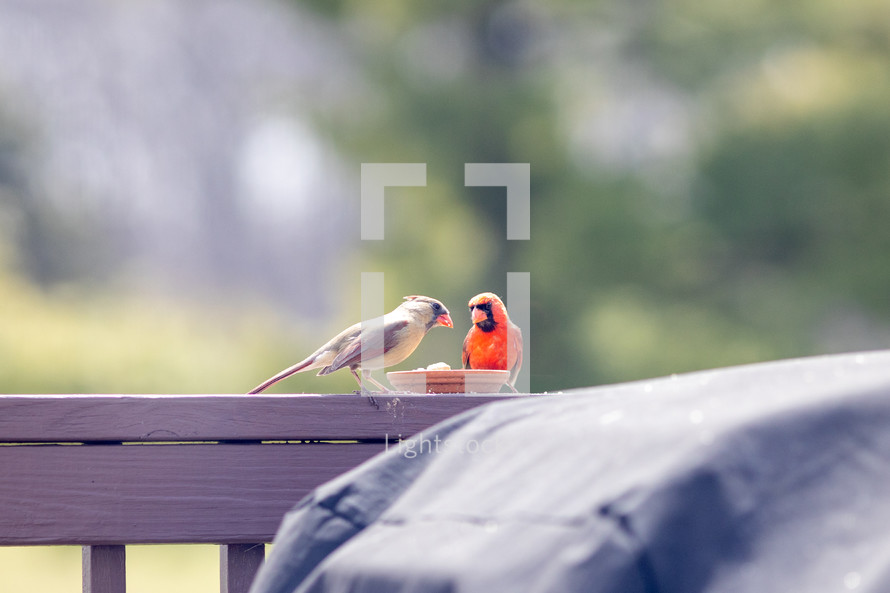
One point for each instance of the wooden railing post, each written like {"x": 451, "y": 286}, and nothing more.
{"x": 104, "y": 569}
{"x": 238, "y": 563}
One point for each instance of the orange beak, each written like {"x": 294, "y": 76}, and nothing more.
{"x": 444, "y": 319}
{"x": 478, "y": 315}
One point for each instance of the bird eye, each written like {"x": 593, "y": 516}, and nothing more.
{"x": 436, "y": 306}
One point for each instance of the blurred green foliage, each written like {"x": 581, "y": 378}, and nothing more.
{"x": 710, "y": 186}
{"x": 72, "y": 339}
{"x": 762, "y": 235}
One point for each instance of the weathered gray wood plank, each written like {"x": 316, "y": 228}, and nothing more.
{"x": 130, "y": 494}
{"x": 148, "y": 418}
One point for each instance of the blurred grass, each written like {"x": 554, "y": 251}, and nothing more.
{"x": 40, "y": 570}
{"x": 56, "y": 569}
{"x": 76, "y": 339}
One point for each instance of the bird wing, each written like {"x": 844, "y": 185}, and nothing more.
{"x": 378, "y": 343}
{"x": 465, "y": 356}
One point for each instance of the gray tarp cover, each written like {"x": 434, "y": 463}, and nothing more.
{"x": 770, "y": 477}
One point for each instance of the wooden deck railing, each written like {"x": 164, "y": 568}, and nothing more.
{"x": 104, "y": 471}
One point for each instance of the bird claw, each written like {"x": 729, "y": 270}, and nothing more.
{"x": 369, "y": 395}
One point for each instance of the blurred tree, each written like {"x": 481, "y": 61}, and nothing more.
{"x": 52, "y": 245}
{"x": 709, "y": 181}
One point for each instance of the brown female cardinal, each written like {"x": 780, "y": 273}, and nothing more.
{"x": 493, "y": 342}
{"x": 390, "y": 341}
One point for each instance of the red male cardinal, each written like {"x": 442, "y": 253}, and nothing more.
{"x": 402, "y": 330}
{"x": 494, "y": 342}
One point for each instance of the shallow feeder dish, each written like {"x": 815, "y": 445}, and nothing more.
{"x": 449, "y": 381}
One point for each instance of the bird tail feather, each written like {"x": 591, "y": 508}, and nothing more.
{"x": 282, "y": 375}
